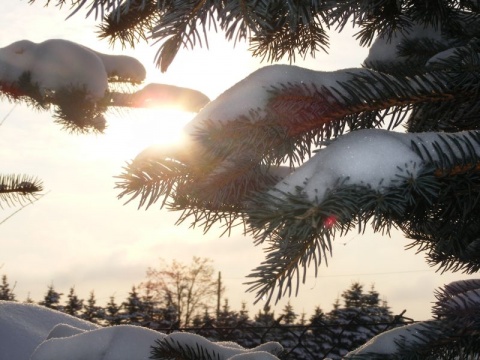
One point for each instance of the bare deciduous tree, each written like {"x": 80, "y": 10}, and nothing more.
{"x": 188, "y": 288}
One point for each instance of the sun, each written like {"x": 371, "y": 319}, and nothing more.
{"x": 133, "y": 130}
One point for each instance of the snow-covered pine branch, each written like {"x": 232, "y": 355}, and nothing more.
{"x": 18, "y": 189}
{"x": 236, "y": 145}
{"x": 275, "y": 29}
{"x": 454, "y": 330}
{"x": 278, "y": 113}
{"x": 78, "y": 82}
{"x": 377, "y": 178}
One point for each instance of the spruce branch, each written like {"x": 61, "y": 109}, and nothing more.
{"x": 234, "y": 157}
{"x": 205, "y": 215}
{"x": 299, "y": 228}
{"x": 151, "y": 179}
{"x": 298, "y": 30}
{"x": 178, "y": 26}
{"x": 18, "y": 189}
{"x": 275, "y": 28}
{"x": 297, "y": 236}
{"x": 180, "y": 345}
{"x": 453, "y": 333}
{"x": 169, "y": 349}
{"x": 24, "y": 205}
{"x": 130, "y": 22}
{"x": 76, "y": 113}
{"x": 73, "y": 109}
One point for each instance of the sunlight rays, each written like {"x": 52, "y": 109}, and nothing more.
{"x": 134, "y": 130}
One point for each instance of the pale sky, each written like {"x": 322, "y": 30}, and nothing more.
{"x": 79, "y": 234}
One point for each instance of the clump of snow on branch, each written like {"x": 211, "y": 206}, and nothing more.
{"x": 364, "y": 157}
{"x": 124, "y": 68}
{"x": 460, "y": 298}
{"x": 390, "y": 341}
{"x": 370, "y": 157}
{"x": 385, "y": 49}
{"x": 80, "y": 82}
{"x": 255, "y": 91}
{"x": 455, "y": 312}
{"x": 56, "y": 64}
{"x": 163, "y": 96}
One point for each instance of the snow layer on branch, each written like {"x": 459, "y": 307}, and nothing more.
{"x": 124, "y": 67}
{"x": 370, "y": 157}
{"x": 363, "y": 157}
{"x": 391, "y": 341}
{"x": 255, "y": 91}
{"x": 462, "y": 304}
{"x": 163, "y": 96}
{"x": 384, "y": 49}
{"x": 55, "y": 64}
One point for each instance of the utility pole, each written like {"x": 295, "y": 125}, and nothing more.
{"x": 219, "y": 292}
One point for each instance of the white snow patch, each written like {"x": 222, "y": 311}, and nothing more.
{"x": 23, "y": 327}
{"x": 57, "y": 63}
{"x": 363, "y": 157}
{"x": 442, "y": 56}
{"x": 15, "y": 59}
{"x": 257, "y": 355}
{"x": 370, "y": 157}
{"x": 384, "y": 49}
{"x": 254, "y": 92}
{"x": 64, "y": 330}
{"x": 123, "y": 342}
{"x": 469, "y": 301}
{"x": 125, "y": 67}
{"x": 225, "y": 351}
{"x": 31, "y": 332}
{"x": 391, "y": 341}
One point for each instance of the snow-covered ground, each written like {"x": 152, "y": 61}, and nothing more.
{"x": 32, "y": 332}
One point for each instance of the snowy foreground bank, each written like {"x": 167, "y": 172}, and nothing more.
{"x": 32, "y": 332}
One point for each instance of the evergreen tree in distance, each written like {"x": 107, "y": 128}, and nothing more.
{"x": 112, "y": 313}
{"x": 133, "y": 308}
{"x": 52, "y": 299}
{"x": 361, "y": 317}
{"x": 74, "y": 305}
{"x": 91, "y": 311}
{"x": 422, "y": 74}
{"x": 6, "y": 293}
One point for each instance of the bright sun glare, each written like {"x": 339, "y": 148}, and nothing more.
{"x": 132, "y": 131}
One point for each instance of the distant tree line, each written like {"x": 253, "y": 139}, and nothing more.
{"x": 354, "y": 319}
